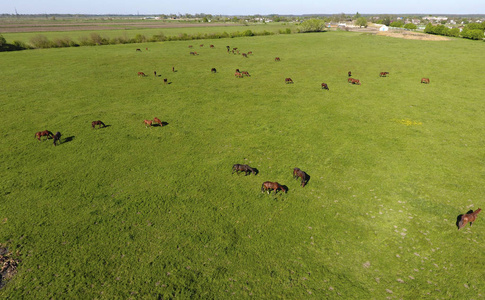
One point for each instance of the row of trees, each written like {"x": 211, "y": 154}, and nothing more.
{"x": 474, "y": 31}
{"x": 41, "y": 41}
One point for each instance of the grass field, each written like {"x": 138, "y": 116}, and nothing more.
{"x": 144, "y": 213}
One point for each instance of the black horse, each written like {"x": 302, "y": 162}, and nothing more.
{"x": 243, "y": 168}
{"x": 57, "y": 138}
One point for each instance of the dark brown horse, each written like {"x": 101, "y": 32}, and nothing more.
{"x": 213, "y": 70}
{"x": 243, "y": 168}
{"x": 277, "y": 59}
{"x": 354, "y": 81}
{"x": 138, "y": 50}
{"x": 350, "y": 74}
{"x": 99, "y": 123}
{"x": 245, "y": 55}
{"x": 193, "y": 53}
{"x": 212, "y": 46}
{"x": 40, "y": 134}
{"x": 57, "y": 138}
{"x": 158, "y": 121}
{"x": 325, "y": 86}
{"x": 468, "y": 218}
{"x": 268, "y": 186}
{"x": 288, "y": 80}
{"x": 425, "y": 80}
{"x": 383, "y": 74}
{"x": 297, "y": 173}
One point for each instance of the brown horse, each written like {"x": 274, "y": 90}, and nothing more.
{"x": 212, "y": 46}
{"x": 243, "y": 168}
{"x": 190, "y": 46}
{"x": 193, "y": 53}
{"x": 165, "y": 80}
{"x": 148, "y": 123}
{"x": 158, "y": 121}
{"x": 250, "y": 52}
{"x": 354, "y": 81}
{"x": 297, "y": 173}
{"x": 141, "y": 74}
{"x": 40, "y": 134}
{"x": 288, "y": 80}
{"x": 238, "y": 75}
{"x": 425, "y": 80}
{"x": 213, "y": 70}
{"x": 202, "y": 45}
{"x": 350, "y": 74}
{"x": 383, "y": 74}
{"x": 468, "y": 218}
{"x": 325, "y": 86}
{"x": 57, "y": 138}
{"x": 99, "y": 123}
{"x": 268, "y": 186}
{"x": 245, "y": 55}
{"x": 138, "y": 50}
{"x": 277, "y": 59}
{"x": 245, "y": 73}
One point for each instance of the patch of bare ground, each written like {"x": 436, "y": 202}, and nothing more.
{"x": 413, "y": 36}
{"x": 8, "y": 265}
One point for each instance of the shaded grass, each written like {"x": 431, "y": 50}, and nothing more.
{"x": 127, "y": 211}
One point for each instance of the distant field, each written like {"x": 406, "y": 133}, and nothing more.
{"x": 24, "y": 32}
{"x": 154, "y": 213}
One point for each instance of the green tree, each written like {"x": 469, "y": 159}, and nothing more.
{"x": 357, "y": 16}
{"x": 397, "y": 24}
{"x": 362, "y": 21}
{"x": 2, "y": 41}
{"x": 312, "y": 25}
{"x": 410, "y": 26}
{"x": 429, "y": 28}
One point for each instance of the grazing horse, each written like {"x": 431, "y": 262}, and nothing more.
{"x": 383, "y": 74}
{"x": 325, "y": 86}
{"x": 268, "y": 186}
{"x": 165, "y": 80}
{"x": 425, "y": 80}
{"x": 173, "y": 69}
{"x": 57, "y": 137}
{"x": 190, "y": 46}
{"x": 297, "y": 173}
{"x": 193, "y": 53}
{"x": 237, "y": 71}
{"x": 158, "y": 121}
{"x": 238, "y": 75}
{"x": 245, "y": 55}
{"x": 141, "y": 74}
{"x": 288, "y": 80}
{"x": 155, "y": 73}
{"x": 243, "y": 168}
{"x": 350, "y": 74}
{"x": 99, "y": 123}
{"x": 228, "y": 48}
{"x": 250, "y": 52}
{"x": 354, "y": 81}
{"x": 277, "y": 59}
{"x": 148, "y": 123}
{"x": 138, "y": 50}
{"x": 213, "y": 70}
{"x": 468, "y": 218}
{"x": 245, "y": 73}
{"x": 46, "y": 133}
{"x": 202, "y": 45}
{"x": 212, "y": 46}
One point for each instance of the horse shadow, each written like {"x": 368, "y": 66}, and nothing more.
{"x": 256, "y": 171}
{"x": 158, "y": 125}
{"x": 458, "y": 219}
{"x": 286, "y": 188}
{"x": 68, "y": 139}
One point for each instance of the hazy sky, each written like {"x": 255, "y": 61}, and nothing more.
{"x": 245, "y": 7}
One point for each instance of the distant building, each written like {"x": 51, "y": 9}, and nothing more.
{"x": 384, "y": 28}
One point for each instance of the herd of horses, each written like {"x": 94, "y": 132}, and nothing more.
{"x": 269, "y": 186}
{"x": 55, "y": 137}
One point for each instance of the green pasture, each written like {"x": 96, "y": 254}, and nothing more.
{"x": 130, "y": 31}
{"x": 128, "y": 212}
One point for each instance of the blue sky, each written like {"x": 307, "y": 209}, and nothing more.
{"x": 245, "y": 7}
